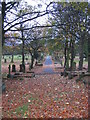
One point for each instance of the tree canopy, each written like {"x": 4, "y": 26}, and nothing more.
{"x": 66, "y": 28}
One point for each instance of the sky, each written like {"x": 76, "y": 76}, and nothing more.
{"x": 44, "y": 4}
{"x": 36, "y": 1}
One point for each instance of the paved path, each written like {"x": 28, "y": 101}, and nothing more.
{"x": 48, "y": 65}
{"x": 48, "y": 61}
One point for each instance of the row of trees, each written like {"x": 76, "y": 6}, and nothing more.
{"x": 22, "y": 21}
{"x": 66, "y": 29}
{"x": 71, "y": 22}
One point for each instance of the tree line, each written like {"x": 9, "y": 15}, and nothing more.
{"x": 67, "y": 27}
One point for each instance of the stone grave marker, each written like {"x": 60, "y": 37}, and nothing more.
{"x": 9, "y": 74}
{"x": 13, "y": 68}
{"x": 22, "y": 68}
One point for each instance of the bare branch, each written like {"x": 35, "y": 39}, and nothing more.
{"x": 26, "y": 21}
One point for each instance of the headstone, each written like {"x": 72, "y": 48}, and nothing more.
{"x": 9, "y": 74}
{"x": 22, "y": 68}
{"x": 13, "y": 68}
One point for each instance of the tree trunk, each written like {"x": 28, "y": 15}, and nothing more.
{"x": 3, "y": 15}
{"x": 81, "y": 45}
{"x": 72, "y": 55}
{"x": 67, "y": 63}
{"x": 88, "y": 54}
{"x": 3, "y": 56}
{"x": 0, "y": 58}
{"x": 32, "y": 61}
{"x": 65, "y": 54}
{"x": 23, "y": 57}
{"x": 12, "y": 59}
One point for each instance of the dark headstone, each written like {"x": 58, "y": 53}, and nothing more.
{"x": 13, "y": 68}
{"x": 9, "y": 74}
{"x": 22, "y": 68}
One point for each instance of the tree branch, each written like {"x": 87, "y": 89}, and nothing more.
{"x": 25, "y": 20}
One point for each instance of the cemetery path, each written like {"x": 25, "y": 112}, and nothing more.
{"x": 45, "y": 96}
{"x": 48, "y": 67}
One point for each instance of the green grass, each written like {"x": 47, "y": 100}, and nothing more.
{"x": 16, "y": 57}
{"x": 84, "y": 62}
{"x": 22, "y": 109}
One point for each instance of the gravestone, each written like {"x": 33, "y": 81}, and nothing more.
{"x": 13, "y": 68}
{"x": 9, "y": 74}
{"x": 22, "y": 68}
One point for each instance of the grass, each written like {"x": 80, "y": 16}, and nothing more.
{"x": 84, "y": 62}
{"x": 22, "y": 109}
{"x": 16, "y": 57}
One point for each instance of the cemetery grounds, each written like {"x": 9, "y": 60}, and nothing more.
{"x": 43, "y": 95}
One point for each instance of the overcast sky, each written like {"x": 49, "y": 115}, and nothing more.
{"x": 36, "y": 1}
{"x": 43, "y": 3}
